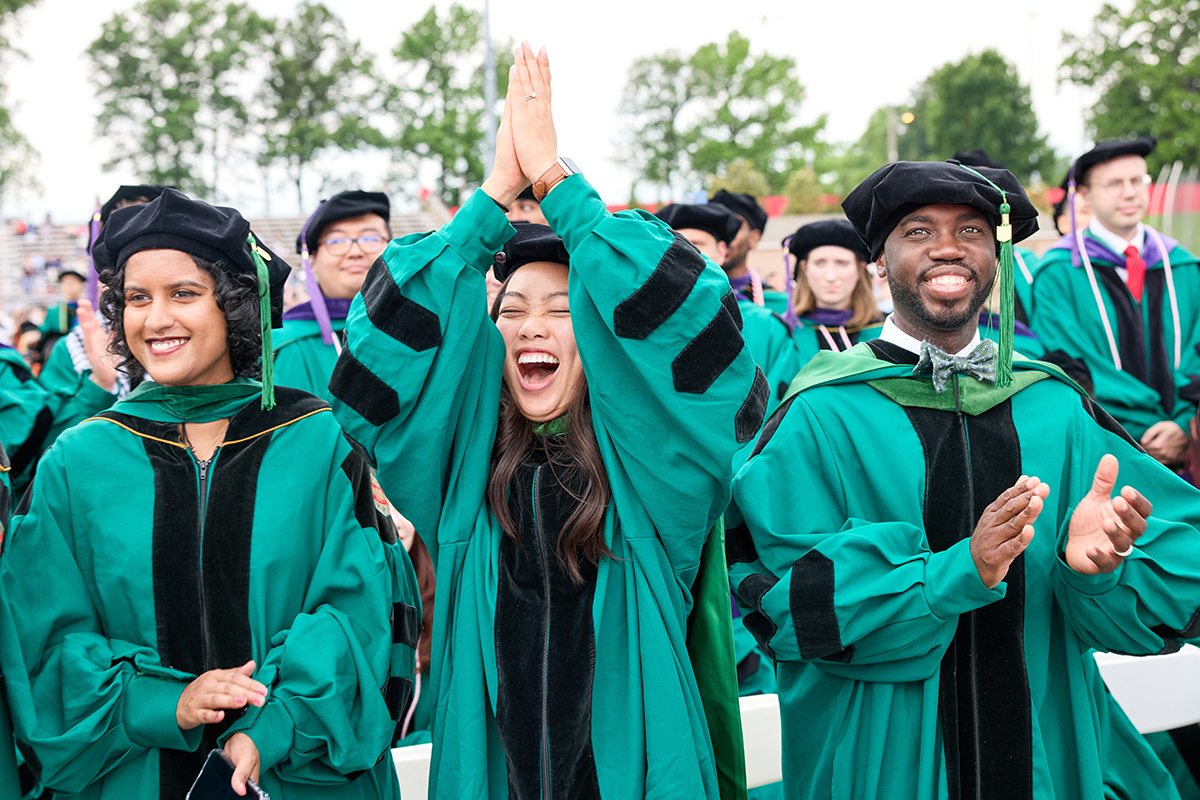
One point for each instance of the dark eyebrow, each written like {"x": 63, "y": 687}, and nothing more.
{"x": 176, "y": 285}
{"x": 963, "y": 217}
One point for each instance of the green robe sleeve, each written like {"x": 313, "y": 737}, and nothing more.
{"x": 875, "y": 587}
{"x": 85, "y": 702}
{"x": 674, "y": 391}
{"x": 326, "y": 717}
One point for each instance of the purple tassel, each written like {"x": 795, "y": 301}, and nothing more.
{"x": 320, "y": 310}
{"x": 93, "y": 278}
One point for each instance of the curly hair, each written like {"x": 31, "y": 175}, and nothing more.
{"x": 237, "y": 297}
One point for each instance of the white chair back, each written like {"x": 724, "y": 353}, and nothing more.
{"x": 1157, "y": 693}
{"x": 763, "y": 739}
{"x": 412, "y": 768}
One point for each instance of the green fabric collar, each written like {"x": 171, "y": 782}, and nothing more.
{"x": 160, "y": 403}
{"x": 896, "y": 381}
{"x": 555, "y": 427}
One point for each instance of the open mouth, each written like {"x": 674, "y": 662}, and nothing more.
{"x": 536, "y": 369}
{"x": 161, "y": 347}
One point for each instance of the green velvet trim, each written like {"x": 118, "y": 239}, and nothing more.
{"x": 975, "y": 396}
{"x": 159, "y": 403}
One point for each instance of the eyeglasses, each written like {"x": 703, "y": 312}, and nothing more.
{"x": 340, "y": 245}
{"x": 1116, "y": 186}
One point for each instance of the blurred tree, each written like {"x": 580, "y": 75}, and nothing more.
{"x": 739, "y": 175}
{"x": 319, "y": 94}
{"x": 843, "y": 171}
{"x": 691, "y": 117}
{"x": 804, "y": 193}
{"x": 170, "y": 75}
{"x": 439, "y": 100}
{"x": 1145, "y": 64}
{"x": 18, "y": 159}
{"x": 980, "y": 102}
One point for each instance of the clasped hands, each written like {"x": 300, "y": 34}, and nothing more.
{"x": 526, "y": 142}
{"x": 204, "y": 701}
{"x": 1101, "y": 535}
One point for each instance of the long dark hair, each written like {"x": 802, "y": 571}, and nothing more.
{"x": 236, "y": 296}
{"x": 575, "y": 462}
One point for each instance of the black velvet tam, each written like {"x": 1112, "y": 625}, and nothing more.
{"x": 527, "y": 194}
{"x": 133, "y": 194}
{"x": 896, "y": 190}
{"x": 976, "y": 158}
{"x": 835, "y": 232}
{"x": 64, "y": 273}
{"x": 1106, "y": 151}
{"x": 173, "y": 221}
{"x": 714, "y": 218}
{"x": 343, "y": 206}
{"x": 744, "y": 205}
{"x": 532, "y": 242}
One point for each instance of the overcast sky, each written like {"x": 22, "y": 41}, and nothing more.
{"x": 852, "y": 57}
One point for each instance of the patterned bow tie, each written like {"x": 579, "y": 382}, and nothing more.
{"x": 980, "y": 363}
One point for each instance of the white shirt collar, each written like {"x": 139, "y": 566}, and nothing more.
{"x": 891, "y": 333}
{"x": 1114, "y": 242}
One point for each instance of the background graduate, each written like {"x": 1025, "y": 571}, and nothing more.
{"x": 571, "y": 458}
{"x": 930, "y": 603}
{"x": 204, "y": 563}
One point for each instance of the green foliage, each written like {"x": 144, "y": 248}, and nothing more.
{"x": 804, "y": 193}
{"x": 18, "y": 159}
{"x": 1146, "y": 66}
{"x": 693, "y": 116}
{"x": 739, "y": 176}
{"x": 980, "y": 102}
{"x": 318, "y": 87}
{"x": 170, "y": 75}
{"x": 843, "y": 171}
{"x": 439, "y": 99}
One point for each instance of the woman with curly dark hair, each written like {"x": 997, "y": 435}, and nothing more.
{"x": 204, "y": 565}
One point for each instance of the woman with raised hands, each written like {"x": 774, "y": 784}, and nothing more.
{"x": 203, "y": 565}
{"x": 566, "y": 463}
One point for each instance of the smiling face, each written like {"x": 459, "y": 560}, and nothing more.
{"x": 173, "y": 325}
{"x": 832, "y": 273}
{"x": 542, "y": 369}
{"x": 1118, "y": 195}
{"x": 341, "y": 275}
{"x": 940, "y": 262}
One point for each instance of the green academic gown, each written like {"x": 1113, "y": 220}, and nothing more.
{"x": 896, "y": 663}
{"x": 129, "y": 571}
{"x": 673, "y": 393}
{"x": 10, "y": 784}
{"x": 810, "y": 339}
{"x": 1146, "y": 389}
{"x": 302, "y": 359}
{"x": 1025, "y": 267}
{"x": 769, "y": 340}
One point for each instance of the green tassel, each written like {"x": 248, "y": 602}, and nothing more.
{"x": 1008, "y": 310}
{"x": 264, "y": 318}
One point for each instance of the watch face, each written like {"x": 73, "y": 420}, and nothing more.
{"x": 571, "y": 168}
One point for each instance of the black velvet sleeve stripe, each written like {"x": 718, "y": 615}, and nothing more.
{"x": 1189, "y": 631}
{"x": 406, "y": 624}
{"x": 749, "y": 417}
{"x": 397, "y": 693}
{"x": 739, "y": 546}
{"x": 811, "y": 600}
{"x": 730, "y": 302}
{"x": 751, "y": 591}
{"x": 1105, "y": 420}
{"x": 772, "y": 425}
{"x": 363, "y": 391}
{"x": 31, "y": 448}
{"x": 390, "y": 311}
{"x": 653, "y": 303}
{"x": 704, "y": 358}
{"x": 25, "y": 501}
{"x": 366, "y": 511}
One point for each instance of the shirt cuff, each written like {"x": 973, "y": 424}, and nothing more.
{"x": 953, "y": 585}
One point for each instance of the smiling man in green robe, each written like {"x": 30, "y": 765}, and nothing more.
{"x": 929, "y": 601}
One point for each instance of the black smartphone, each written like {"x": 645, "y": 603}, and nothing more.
{"x": 215, "y": 781}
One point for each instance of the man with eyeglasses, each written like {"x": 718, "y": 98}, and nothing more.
{"x": 337, "y": 246}
{"x": 1125, "y": 299}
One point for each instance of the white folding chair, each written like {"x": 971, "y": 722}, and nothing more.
{"x": 763, "y": 739}
{"x": 412, "y": 768}
{"x": 1157, "y": 693}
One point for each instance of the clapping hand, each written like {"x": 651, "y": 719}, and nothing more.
{"x": 1104, "y": 528}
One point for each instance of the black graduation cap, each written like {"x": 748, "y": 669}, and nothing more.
{"x": 532, "y": 242}
{"x": 896, "y": 190}
{"x": 1106, "y": 151}
{"x": 976, "y": 158}
{"x": 836, "y": 232}
{"x": 714, "y": 218}
{"x": 173, "y": 221}
{"x": 343, "y": 205}
{"x": 527, "y": 194}
{"x": 130, "y": 194}
{"x": 744, "y": 205}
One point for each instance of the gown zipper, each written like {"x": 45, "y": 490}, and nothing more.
{"x": 544, "y": 556}
{"x": 202, "y": 468}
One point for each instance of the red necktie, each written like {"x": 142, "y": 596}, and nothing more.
{"x": 1135, "y": 270}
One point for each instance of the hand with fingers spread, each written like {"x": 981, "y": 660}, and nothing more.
{"x": 203, "y": 700}
{"x": 1006, "y": 528}
{"x": 1104, "y": 528}
{"x": 506, "y": 180}
{"x": 95, "y": 344}
{"x": 243, "y": 752}
{"x": 532, "y": 122}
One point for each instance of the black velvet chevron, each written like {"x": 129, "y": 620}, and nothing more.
{"x": 810, "y": 598}
{"x": 749, "y": 417}
{"x": 751, "y": 592}
{"x": 399, "y": 317}
{"x": 362, "y": 390}
{"x": 731, "y": 304}
{"x": 653, "y": 303}
{"x": 772, "y": 425}
{"x": 366, "y": 512}
{"x": 545, "y": 646}
{"x": 704, "y": 358}
{"x": 739, "y": 545}
{"x": 31, "y": 448}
